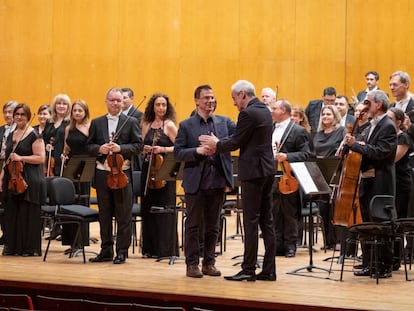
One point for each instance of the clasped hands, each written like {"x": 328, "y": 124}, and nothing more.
{"x": 208, "y": 145}
{"x": 109, "y": 147}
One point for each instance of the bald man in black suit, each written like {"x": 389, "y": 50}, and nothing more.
{"x": 114, "y": 134}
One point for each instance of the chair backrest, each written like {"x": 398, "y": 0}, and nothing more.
{"x": 62, "y": 191}
{"x": 91, "y": 305}
{"x": 144, "y": 307}
{"x": 382, "y": 208}
{"x": 16, "y": 301}
{"x": 58, "y": 304}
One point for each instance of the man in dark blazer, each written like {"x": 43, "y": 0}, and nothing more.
{"x": 204, "y": 181}
{"x": 290, "y": 144}
{"x": 399, "y": 85}
{"x": 372, "y": 78}
{"x": 253, "y": 136}
{"x": 341, "y": 102}
{"x": 113, "y": 134}
{"x": 129, "y": 109}
{"x": 378, "y": 148}
{"x": 313, "y": 110}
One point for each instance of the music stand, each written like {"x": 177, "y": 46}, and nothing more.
{"x": 171, "y": 170}
{"x": 80, "y": 168}
{"x": 313, "y": 184}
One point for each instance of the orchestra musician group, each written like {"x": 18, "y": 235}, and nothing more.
{"x": 126, "y": 139}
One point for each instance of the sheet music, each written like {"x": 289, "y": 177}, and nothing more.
{"x": 303, "y": 176}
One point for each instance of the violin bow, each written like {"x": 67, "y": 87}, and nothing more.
{"x": 115, "y": 136}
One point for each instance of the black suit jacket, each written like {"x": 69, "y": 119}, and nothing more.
{"x": 129, "y": 137}
{"x": 378, "y": 153}
{"x": 313, "y": 112}
{"x": 409, "y": 109}
{"x": 186, "y": 144}
{"x": 361, "y": 95}
{"x": 295, "y": 143}
{"x": 138, "y": 158}
{"x": 133, "y": 112}
{"x": 253, "y": 136}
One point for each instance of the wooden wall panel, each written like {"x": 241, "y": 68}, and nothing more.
{"x": 25, "y": 51}
{"x": 86, "y": 50}
{"x": 378, "y": 38}
{"x": 320, "y": 48}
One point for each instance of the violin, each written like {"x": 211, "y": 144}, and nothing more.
{"x": 49, "y": 168}
{"x": 154, "y": 165}
{"x": 116, "y": 179}
{"x": 17, "y": 184}
{"x": 287, "y": 183}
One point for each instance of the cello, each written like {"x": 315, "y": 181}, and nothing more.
{"x": 346, "y": 207}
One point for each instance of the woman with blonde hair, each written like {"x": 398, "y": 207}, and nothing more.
{"x": 54, "y": 133}
{"x": 330, "y": 133}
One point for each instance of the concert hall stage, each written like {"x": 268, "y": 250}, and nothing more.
{"x": 147, "y": 281}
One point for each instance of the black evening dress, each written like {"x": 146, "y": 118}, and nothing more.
{"x": 159, "y": 230}
{"x": 22, "y": 211}
{"x": 76, "y": 141}
{"x": 55, "y": 136}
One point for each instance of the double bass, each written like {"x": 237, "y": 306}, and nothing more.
{"x": 346, "y": 207}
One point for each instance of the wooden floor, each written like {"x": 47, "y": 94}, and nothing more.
{"x": 147, "y": 279}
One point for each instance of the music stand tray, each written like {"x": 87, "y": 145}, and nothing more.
{"x": 80, "y": 168}
{"x": 313, "y": 183}
{"x": 170, "y": 170}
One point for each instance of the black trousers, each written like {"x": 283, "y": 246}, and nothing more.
{"x": 114, "y": 203}
{"x": 286, "y": 219}
{"x": 257, "y": 211}
{"x": 202, "y": 209}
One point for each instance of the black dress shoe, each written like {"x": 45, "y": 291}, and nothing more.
{"x": 120, "y": 258}
{"x": 266, "y": 276}
{"x": 242, "y": 276}
{"x": 384, "y": 274}
{"x": 101, "y": 258}
{"x": 360, "y": 266}
{"x": 363, "y": 272}
{"x": 290, "y": 253}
